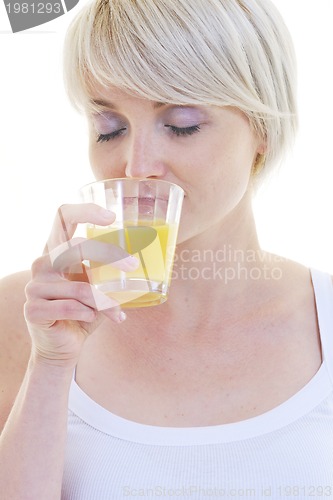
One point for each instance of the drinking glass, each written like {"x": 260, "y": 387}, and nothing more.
{"x": 147, "y": 219}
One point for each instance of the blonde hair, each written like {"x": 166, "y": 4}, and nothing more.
{"x": 208, "y": 52}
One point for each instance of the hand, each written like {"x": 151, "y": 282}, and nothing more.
{"x": 62, "y": 308}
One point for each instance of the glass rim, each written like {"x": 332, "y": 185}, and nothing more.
{"x": 132, "y": 179}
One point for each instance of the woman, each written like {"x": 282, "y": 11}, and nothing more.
{"x": 225, "y": 390}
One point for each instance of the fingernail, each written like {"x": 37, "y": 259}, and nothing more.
{"x": 121, "y": 317}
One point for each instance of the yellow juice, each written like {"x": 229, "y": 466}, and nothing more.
{"x": 153, "y": 245}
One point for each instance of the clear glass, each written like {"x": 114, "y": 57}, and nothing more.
{"x": 146, "y": 226}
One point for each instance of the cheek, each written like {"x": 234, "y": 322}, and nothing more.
{"x": 235, "y": 178}
{"x": 93, "y": 160}
{"x": 237, "y": 155}
{"x": 104, "y": 165}
{"x": 97, "y": 162}
{"x": 222, "y": 176}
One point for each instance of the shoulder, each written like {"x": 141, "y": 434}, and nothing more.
{"x": 14, "y": 339}
{"x": 12, "y": 293}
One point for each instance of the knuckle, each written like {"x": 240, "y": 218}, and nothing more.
{"x": 61, "y": 222}
{"x": 31, "y": 310}
{"x": 82, "y": 291}
{"x": 30, "y": 289}
{"x": 62, "y": 209}
{"x": 70, "y": 308}
{"x": 38, "y": 265}
{"x": 64, "y": 214}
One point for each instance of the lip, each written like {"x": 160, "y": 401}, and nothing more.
{"x": 150, "y": 206}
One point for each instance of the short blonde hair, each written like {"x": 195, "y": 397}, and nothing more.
{"x": 208, "y": 52}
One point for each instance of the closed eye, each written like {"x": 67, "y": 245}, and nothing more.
{"x": 111, "y": 135}
{"x": 183, "y": 131}
{"x": 177, "y": 131}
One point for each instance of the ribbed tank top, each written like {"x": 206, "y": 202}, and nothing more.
{"x": 286, "y": 452}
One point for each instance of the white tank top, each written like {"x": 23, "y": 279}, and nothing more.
{"x": 286, "y": 452}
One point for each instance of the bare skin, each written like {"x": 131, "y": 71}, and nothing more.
{"x": 239, "y": 348}
{"x": 167, "y": 363}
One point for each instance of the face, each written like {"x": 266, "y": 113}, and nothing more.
{"x": 208, "y": 151}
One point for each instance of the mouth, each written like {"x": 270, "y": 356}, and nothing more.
{"x": 150, "y": 207}
{"x": 146, "y": 208}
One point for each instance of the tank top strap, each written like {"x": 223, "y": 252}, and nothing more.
{"x": 323, "y": 290}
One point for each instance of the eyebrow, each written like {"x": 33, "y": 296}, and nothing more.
{"x": 110, "y": 105}
{"x": 102, "y": 104}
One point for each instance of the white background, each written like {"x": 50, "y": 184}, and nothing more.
{"x": 43, "y": 143}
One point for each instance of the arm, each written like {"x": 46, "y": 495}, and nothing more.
{"x": 32, "y": 443}
{"x": 15, "y": 342}
{"x": 59, "y": 315}
{"x": 33, "y": 407}
{"x": 35, "y": 384}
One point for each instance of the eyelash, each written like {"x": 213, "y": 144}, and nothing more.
{"x": 177, "y": 131}
{"x": 181, "y": 132}
{"x": 112, "y": 135}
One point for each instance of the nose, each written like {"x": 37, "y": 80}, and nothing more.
{"x": 143, "y": 158}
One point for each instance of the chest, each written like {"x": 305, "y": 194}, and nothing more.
{"x": 182, "y": 385}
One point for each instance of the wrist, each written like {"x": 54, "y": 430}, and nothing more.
{"x": 56, "y": 367}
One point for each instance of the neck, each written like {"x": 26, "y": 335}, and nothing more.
{"x": 223, "y": 256}
{"x": 217, "y": 270}
{"x": 215, "y": 276}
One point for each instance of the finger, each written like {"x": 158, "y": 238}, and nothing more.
{"x": 42, "y": 270}
{"x": 69, "y": 216}
{"x": 70, "y": 255}
{"x": 118, "y": 316}
{"x": 47, "y": 312}
{"x": 82, "y": 292}
{"x": 42, "y": 267}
